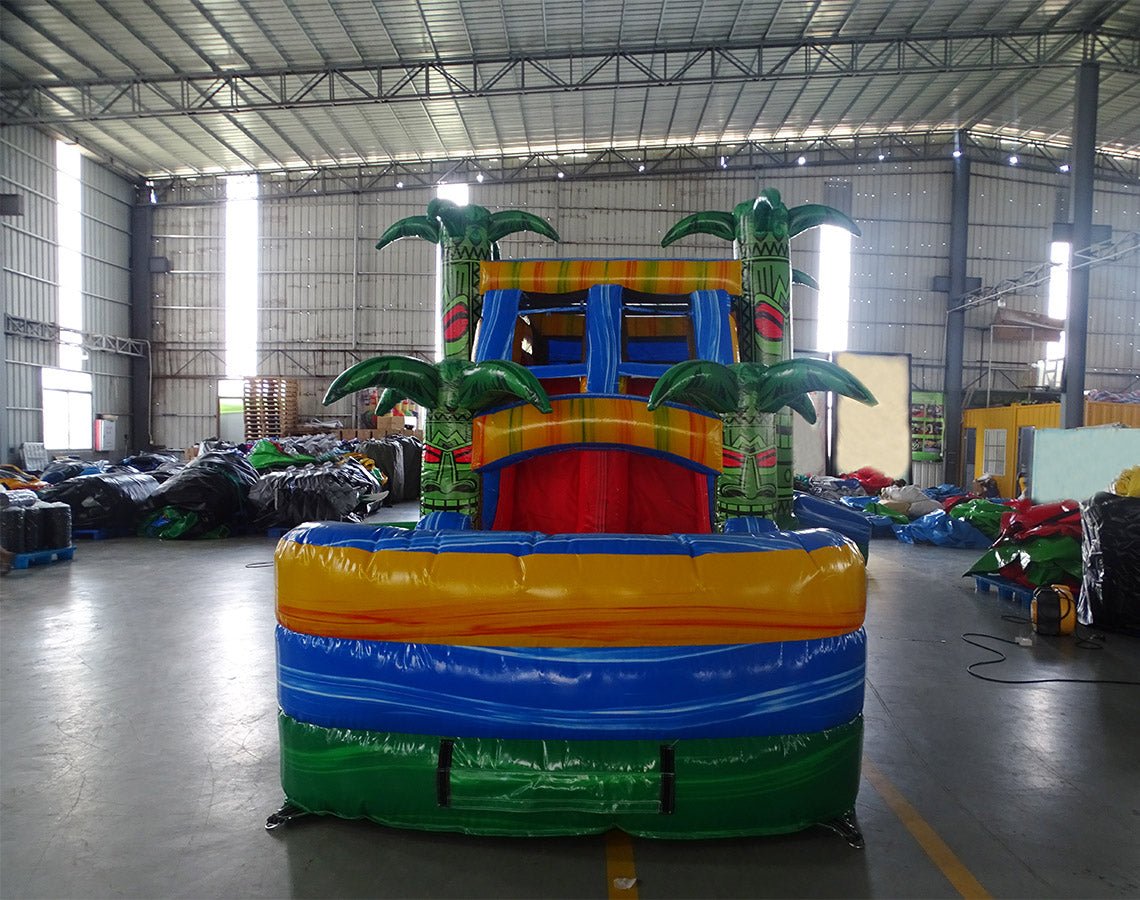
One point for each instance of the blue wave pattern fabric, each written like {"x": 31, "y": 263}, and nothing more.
{"x": 742, "y": 690}
{"x": 524, "y": 543}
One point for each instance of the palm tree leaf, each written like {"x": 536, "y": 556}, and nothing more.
{"x": 387, "y": 401}
{"x": 697, "y": 382}
{"x": 512, "y": 221}
{"x": 804, "y": 407}
{"x": 454, "y": 218}
{"x": 408, "y": 376}
{"x": 795, "y": 377}
{"x": 718, "y": 224}
{"x": 809, "y": 215}
{"x": 493, "y": 381}
{"x": 805, "y": 279}
{"x": 412, "y": 226}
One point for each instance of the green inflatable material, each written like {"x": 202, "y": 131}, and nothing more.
{"x": 725, "y": 787}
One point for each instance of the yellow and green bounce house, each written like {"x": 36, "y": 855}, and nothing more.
{"x": 607, "y": 616}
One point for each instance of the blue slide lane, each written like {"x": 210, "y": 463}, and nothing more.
{"x": 660, "y": 693}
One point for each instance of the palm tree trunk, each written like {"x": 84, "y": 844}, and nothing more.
{"x": 765, "y": 321}
{"x": 462, "y": 302}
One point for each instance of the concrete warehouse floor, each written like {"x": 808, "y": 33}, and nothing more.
{"x": 138, "y": 756}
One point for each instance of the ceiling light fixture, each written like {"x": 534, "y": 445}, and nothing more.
{"x": 641, "y": 168}
{"x": 479, "y": 177}
{"x": 400, "y": 185}
{"x": 1013, "y": 160}
{"x": 881, "y": 157}
{"x": 1064, "y": 167}
{"x": 802, "y": 161}
{"x": 561, "y": 174}
{"x": 724, "y": 162}
{"x": 957, "y": 154}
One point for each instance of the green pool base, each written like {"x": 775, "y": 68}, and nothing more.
{"x": 728, "y": 787}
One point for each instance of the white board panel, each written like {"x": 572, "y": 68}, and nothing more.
{"x": 877, "y": 436}
{"x": 1075, "y": 463}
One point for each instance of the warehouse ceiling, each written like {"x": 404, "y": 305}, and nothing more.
{"x": 185, "y": 87}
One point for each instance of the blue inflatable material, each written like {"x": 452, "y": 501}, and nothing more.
{"x": 524, "y": 543}
{"x": 942, "y": 530}
{"x": 813, "y": 512}
{"x": 741, "y": 690}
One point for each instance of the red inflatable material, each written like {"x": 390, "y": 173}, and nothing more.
{"x": 1029, "y": 521}
{"x": 602, "y": 491}
{"x": 871, "y": 480}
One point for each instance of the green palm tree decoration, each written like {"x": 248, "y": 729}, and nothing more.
{"x": 453, "y": 390}
{"x": 467, "y": 235}
{"x": 761, "y": 230}
{"x": 746, "y": 393}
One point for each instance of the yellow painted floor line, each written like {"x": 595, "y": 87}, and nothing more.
{"x": 621, "y": 876}
{"x": 940, "y": 854}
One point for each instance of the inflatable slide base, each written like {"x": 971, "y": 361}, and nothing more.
{"x": 697, "y": 788}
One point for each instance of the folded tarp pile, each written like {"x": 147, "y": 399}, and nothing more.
{"x": 1110, "y": 550}
{"x": 116, "y": 499}
{"x": 208, "y": 498}
{"x": 1037, "y": 545}
{"x": 398, "y": 458}
{"x": 327, "y": 491}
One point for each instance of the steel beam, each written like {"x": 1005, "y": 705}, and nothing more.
{"x": 59, "y": 102}
{"x": 1077, "y": 319}
{"x": 669, "y": 161}
{"x": 956, "y": 318}
{"x": 142, "y": 242}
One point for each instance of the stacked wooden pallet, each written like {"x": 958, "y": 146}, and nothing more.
{"x": 270, "y": 407}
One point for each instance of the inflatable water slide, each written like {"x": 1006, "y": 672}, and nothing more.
{"x": 597, "y": 622}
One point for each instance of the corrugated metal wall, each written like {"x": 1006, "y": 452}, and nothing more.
{"x": 327, "y": 297}
{"x": 27, "y": 168}
{"x": 1011, "y": 228}
{"x": 106, "y": 204}
{"x": 188, "y": 336}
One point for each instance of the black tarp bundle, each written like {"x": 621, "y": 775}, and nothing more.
{"x": 114, "y": 499}
{"x": 70, "y": 467}
{"x": 398, "y": 456}
{"x": 149, "y": 460}
{"x": 1110, "y": 552}
{"x": 38, "y": 526}
{"x": 205, "y": 499}
{"x": 329, "y": 491}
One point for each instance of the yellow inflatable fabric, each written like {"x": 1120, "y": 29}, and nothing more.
{"x": 568, "y": 600}
{"x": 1127, "y": 483}
{"x": 618, "y": 421}
{"x": 653, "y": 276}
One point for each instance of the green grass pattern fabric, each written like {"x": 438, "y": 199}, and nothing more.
{"x": 725, "y": 787}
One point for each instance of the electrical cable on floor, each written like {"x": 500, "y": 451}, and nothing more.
{"x": 1086, "y": 643}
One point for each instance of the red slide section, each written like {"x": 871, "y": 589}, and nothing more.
{"x": 602, "y": 491}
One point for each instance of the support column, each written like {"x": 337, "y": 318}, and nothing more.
{"x": 1077, "y": 320}
{"x": 142, "y": 235}
{"x": 956, "y": 320}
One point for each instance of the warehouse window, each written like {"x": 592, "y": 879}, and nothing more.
{"x": 834, "y": 288}
{"x": 69, "y": 250}
{"x": 1058, "y": 293}
{"x": 993, "y": 451}
{"x": 460, "y": 195}
{"x": 66, "y": 409}
{"x": 241, "y": 275}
